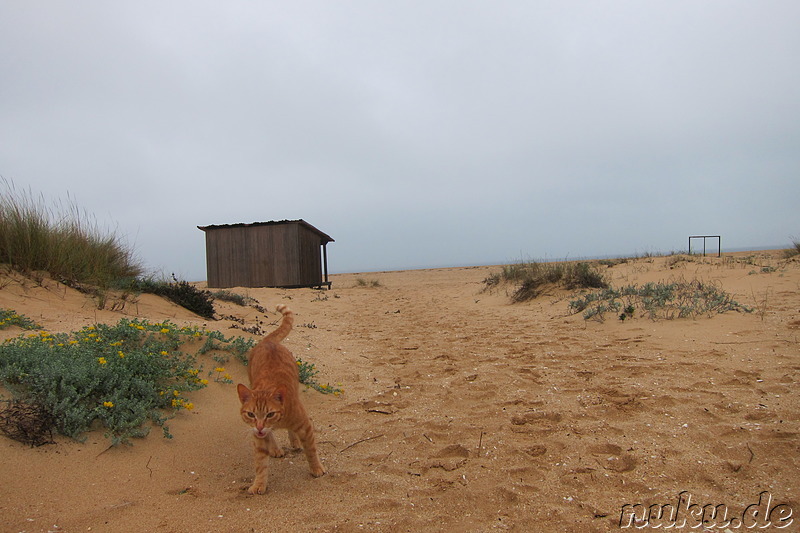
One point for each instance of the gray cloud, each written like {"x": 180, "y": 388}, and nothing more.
{"x": 414, "y": 133}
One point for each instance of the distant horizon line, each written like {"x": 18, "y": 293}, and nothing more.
{"x": 567, "y": 258}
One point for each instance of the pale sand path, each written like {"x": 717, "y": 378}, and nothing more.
{"x": 462, "y": 412}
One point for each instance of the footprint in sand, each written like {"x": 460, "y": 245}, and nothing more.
{"x": 611, "y": 457}
{"x": 536, "y": 450}
{"x": 450, "y": 457}
{"x": 540, "y": 418}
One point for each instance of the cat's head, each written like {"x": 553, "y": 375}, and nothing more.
{"x": 261, "y": 409}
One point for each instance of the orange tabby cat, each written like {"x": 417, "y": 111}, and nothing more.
{"x": 273, "y": 402}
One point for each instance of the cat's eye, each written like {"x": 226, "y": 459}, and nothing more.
{"x": 270, "y": 415}
{"x": 250, "y": 414}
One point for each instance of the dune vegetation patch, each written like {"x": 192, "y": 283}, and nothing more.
{"x": 63, "y": 241}
{"x": 9, "y": 317}
{"x": 793, "y": 251}
{"x": 662, "y": 300}
{"x": 122, "y": 377}
{"x": 71, "y": 247}
{"x": 531, "y": 278}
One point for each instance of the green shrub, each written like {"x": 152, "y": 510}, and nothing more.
{"x": 228, "y": 296}
{"x": 681, "y": 299}
{"x": 120, "y": 377}
{"x": 9, "y": 317}
{"x": 308, "y": 376}
{"x": 183, "y": 293}
{"x": 532, "y": 278}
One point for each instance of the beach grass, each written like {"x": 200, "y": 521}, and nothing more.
{"x": 63, "y": 241}
{"x": 67, "y": 244}
{"x": 531, "y": 278}
{"x": 794, "y": 250}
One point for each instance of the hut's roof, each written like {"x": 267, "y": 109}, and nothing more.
{"x": 325, "y": 237}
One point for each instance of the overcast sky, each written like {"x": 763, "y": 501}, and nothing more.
{"x": 415, "y": 133}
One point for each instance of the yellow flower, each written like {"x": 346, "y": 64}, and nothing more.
{"x": 189, "y": 406}
{"x": 204, "y": 381}
{"x": 108, "y": 404}
{"x": 140, "y": 328}
{"x": 121, "y": 355}
{"x": 164, "y": 353}
{"x": 227, "y": 376}
{"x": 101, "y": 360}
{"x": 164, "y": 330}
{"x": 219, "y": 369}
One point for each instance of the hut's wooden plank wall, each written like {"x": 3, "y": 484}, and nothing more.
{"x": 272, "y": 254}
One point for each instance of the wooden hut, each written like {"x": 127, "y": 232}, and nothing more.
{"x": 288, "y": 253}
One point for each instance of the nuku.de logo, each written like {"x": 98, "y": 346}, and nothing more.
{"x": 685, "y": 514}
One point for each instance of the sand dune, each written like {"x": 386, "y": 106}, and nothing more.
{"x": 461, "y": 412}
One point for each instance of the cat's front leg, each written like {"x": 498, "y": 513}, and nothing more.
{"x": 294, "y": 442}
{"x": 306, "y": 436}
{"x": 272, "y": 445}
{"x": 261, "y": 454}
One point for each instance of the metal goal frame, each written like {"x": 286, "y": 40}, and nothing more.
{"x": 704, "y": 237}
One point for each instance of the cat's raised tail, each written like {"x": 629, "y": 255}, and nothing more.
{"x": 286, "y": 324}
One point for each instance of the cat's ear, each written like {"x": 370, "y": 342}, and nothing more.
{"x": 244, "y": 393}
{"x": 279, "y": 395}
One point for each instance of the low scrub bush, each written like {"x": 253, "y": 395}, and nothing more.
{"x": 119, "y": 377}
{"x": 308, "y": 377}
{"x": 122, "y": 377}
{"x": 9, "y": 317}
{"x": 229, "y": 296}
{"x": 679, "y": 299}
{"x": 531, "y": 278}
{"x": 372, "y": 283}
{"x": 183, "y": 293}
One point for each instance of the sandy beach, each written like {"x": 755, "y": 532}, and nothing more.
{"x": 461, "y": 411}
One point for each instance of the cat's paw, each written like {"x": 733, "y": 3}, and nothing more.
{"x": 276, "y": 452}
{"x": 318, "y": 471}
{"x": 257, "y": 488}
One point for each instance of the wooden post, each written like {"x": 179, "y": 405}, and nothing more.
{"x": 325, "y": 263}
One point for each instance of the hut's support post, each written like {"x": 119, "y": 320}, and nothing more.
{"x": 325, "y": 263}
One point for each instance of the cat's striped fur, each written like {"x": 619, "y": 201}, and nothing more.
{"x": 273, "y": 402}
